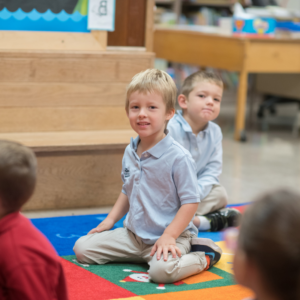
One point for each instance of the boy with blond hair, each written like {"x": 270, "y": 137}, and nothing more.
{"x": 29, "y": 266}
{"x": 200, "y": 101}
{"x": 159, "y": 194}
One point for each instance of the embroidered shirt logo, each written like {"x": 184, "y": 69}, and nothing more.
{"x": 126, "y": 172}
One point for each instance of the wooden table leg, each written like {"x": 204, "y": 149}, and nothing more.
{"x": 239, "y": 134}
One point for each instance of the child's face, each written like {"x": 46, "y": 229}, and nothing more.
{"x": 147, "y": 114}
{"x": 204, "y": 101}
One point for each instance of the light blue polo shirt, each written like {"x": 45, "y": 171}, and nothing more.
{"x": 157, "y": 185}
{"x": 205, "y": 148}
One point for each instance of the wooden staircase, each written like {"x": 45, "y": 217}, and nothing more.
{"x": 69, "y": 106}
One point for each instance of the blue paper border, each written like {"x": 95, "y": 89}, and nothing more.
{"x": 47, "y": 21}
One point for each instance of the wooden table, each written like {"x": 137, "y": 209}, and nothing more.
{"x": 240, "y": 54}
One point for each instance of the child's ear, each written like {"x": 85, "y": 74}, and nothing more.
{"x": 182, "y": 101}
{"x": 127, "y": 112}
{"x": 170, "y": 114}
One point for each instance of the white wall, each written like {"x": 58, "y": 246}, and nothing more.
{"x": 291, "y": 4}
{"x": 294, "y": 4}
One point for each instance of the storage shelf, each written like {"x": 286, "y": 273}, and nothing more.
{"x": 178, "y": 5}
{"x": 164, "y": 2}
{"x": 211, "y": 3}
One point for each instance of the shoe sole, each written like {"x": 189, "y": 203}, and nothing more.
{"x": 207, "y": 246}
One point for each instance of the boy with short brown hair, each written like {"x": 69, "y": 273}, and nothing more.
{"x": 159, "y": 194}
{"x": 29, "y": 266}
{"x": 200, "y": 100}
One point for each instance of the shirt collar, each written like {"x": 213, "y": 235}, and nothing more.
{"x": 186, "y": 126}
{"x": 134, "y": 143}
{"x": 159, "y": 149}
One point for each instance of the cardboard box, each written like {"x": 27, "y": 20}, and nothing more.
{"x": 257, "y": 27}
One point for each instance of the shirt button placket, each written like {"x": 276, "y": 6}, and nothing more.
{"x": 195, "y": 142}
{"x": 138, "y": 177}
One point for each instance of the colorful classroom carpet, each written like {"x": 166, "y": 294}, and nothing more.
{"x": 131, "y": 281}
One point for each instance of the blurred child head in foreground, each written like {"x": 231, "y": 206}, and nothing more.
{"x": 267, "y": 259}
{"x": 17, "y": 176}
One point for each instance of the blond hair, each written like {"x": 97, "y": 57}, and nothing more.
{"x": 17, "y": 175}
{"x": 153, "y": 80}
{"x": 190, "y": 82}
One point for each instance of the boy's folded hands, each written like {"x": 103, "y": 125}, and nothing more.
{"x": 165, "y": 244}
{"x": 107, "y": 224}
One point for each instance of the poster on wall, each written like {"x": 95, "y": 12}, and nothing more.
{"x": 101, "y": 15}
{"x": 55, "y": 6}
{"x": 47, "y": 15}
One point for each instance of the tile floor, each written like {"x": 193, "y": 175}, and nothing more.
{"x": 265, "y": 162}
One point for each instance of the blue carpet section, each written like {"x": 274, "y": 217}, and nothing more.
{"x": 64, "y": 231}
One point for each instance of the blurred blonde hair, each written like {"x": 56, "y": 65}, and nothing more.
{"x": 153, "y": 80}
{"x": 190, "y": 82}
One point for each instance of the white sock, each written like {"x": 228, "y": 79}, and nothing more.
{"x": 204, "y": 223}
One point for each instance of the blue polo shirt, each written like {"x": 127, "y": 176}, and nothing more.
{"x": 157, "y": 185}
{"x": 205, "y": 148}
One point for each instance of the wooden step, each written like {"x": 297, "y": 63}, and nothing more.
{"x": 76, "y": 169}
{"x": 46, "y": 91}
{"x": 43, "y": 40}
{"x": 49, "y": 119}
{"x": 72, "y": 140}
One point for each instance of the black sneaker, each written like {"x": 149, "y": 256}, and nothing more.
{"x": 212, "y": 250}
{"x": 223, "y": 218}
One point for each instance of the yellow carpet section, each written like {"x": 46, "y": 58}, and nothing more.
{"x": 225, "y": 263}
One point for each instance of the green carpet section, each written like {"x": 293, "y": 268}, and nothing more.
{"x": 125, "y": 274}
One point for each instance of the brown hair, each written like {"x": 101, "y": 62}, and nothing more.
{"x": 153, "y": 80}
{"x": 17, "y": 174}
{"x": 270, "y": 238}
{"x": 190, "y": 82}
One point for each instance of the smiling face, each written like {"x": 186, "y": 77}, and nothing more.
{"x": 147, "y": 114}
{"x": 203, "y": 102}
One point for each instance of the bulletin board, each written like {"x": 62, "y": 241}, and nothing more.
{"x": 44, "y": 15}
{"x": 55, "y": 24}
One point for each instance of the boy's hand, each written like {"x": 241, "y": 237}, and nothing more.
{"x": 107, "y": 224}
{"x": 165, "y": 244}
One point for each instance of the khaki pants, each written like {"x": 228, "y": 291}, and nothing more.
{"x": 122, "y": 245}
{"x": 215, "y": 200}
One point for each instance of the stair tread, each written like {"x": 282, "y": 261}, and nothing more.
{"x": 75, "y": 140}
